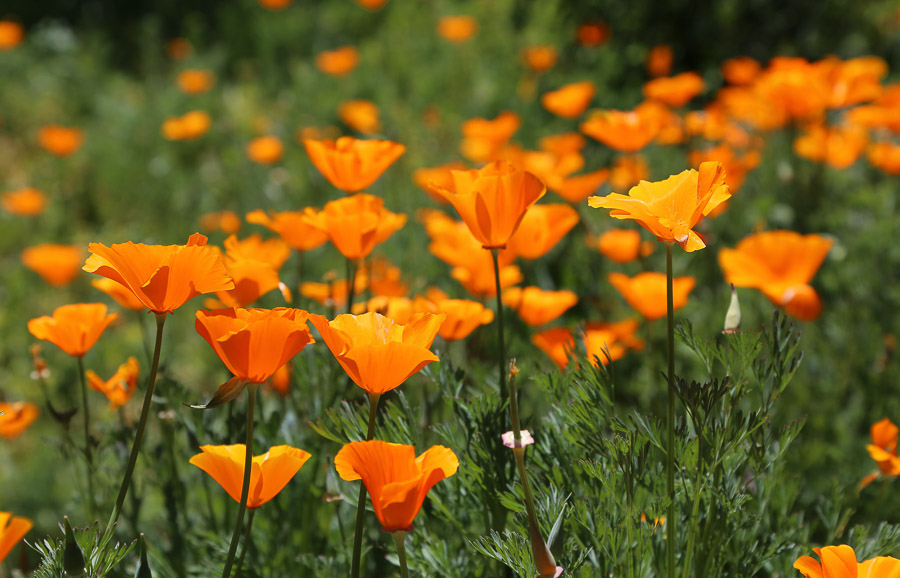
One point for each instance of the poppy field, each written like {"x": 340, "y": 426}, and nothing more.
{"x": 468, "y": 289}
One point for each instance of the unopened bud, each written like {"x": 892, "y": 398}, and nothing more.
{"x": 733, "y": 317}
{"x": 73, "y": 558}
{"x": 143, "y": 569}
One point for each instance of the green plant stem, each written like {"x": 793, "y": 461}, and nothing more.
{"x": 240, "y": 562}
{"x": 361, "y": 502}
{"x": 671, "y": 534}
{"x": 351, "y": 284}
{"x": 88, "y": 451}
{"x": 245, "y": 485}
{"x": 502, "y": 355}
{"x": 139, "y": 436}
{"x": 399, "y": 540}
{"x": 695, "y": 511}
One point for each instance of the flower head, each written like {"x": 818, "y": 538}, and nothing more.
{"x": 840, "y": 562}
{"x": 569, "y": 101}
{"x": 360, "y": 115}
{"x": 462, "y": 316}
{"x": 457, "y": 29}
{"x": 883, "y": 448}
{"x": 27, "y": 202}
{"x": 60, "y": 140}
{"x": 622, "y": 245}
{"x": 16, "y": 418}
{"x": 73, "y": 328}
{"x": 646, "y": 292}
{"x": 339, "y": 62}
{"x": 120, "y": 387}
{"x": 11, "y": 35}
{"x": 196, "y": 81}
{"x": 626, "y": 131}
{"x": 352, "y": 164}
{"x": 674, "y": 91}
{"x": 189, "y": 126}
{"x": 542, "y": 227}
{"x": 538, "y": 307}
{"x": 265, "y": 150}
{"x": 58, "y": 265}
{"x": 12, "y": 530}
{"x": 355, "y": 224}
{"x": 292, "y": 227}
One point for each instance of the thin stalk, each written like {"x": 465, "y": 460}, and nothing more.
{"x": 240, "y": 562}
{"x": 139, "y": 436}
{"x": 361, "y": 502}
{"x": 502, "y": 357}
{"x": 88, "y": 452}
{"x": 141, "y": 315}
{"x": 671, "y": 534}
{"x": 245, "y": 485}
{"x": 351, "y": 284}
{"x": 695, "y": 511}
{"x": 399, "y": 540}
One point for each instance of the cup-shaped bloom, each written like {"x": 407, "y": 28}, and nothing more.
{"x": 457, "y": 29}
{"x": 883, "y": 448}
{"x": 598, "y": 338}
{"x": 119, "y": 293}
{"x": 352, "y": 164}
{"x": 16, "y": 418}
{"x": 780, "y": 264}
{"x": 579, "y": 187}
{"x": 27, "y": 202}
{"x": 265, "y": 150}
{"x": 120, "y": 387}
{"x": 378, "y": 353}
{"x": 626, "y": 131}
{"x": 670, "y": 209}
{"x": 355, "y": 224}
{"x": 463, "y": 316}
{"x": 477, "y": 276}
{"x": 190, "y": 126}
{"x": 60, "y": 140}
{"x": 360, "y": 115}
{"x": 492, "y": 201}
{"x": 569, "y": 101}
{"x": 73, "y": 328}
{"x": 162, "y": 277}
{"x": 840, "y": 562}
{"x": 675, "y": 91}
{"x": 269, "y": 473}
{"x": 440, "y": 175}
{"x": 252, "y": 279}
{"x": 12, "y": 530}
{"x": 542, "y": 227}
{"x": 339, "y": 62}
{"x": 195, "y": 80}
{"x": 622, "y": 245}
{"x": 58, "y": 265}
{"x": 646, "y": 292}
{"x": 536, "y": 306}
{"x": 395, "y": 478}
{"x": 292, "y": 227}
{"x": 254, "y": 343}
{"x": 483, "y": 138}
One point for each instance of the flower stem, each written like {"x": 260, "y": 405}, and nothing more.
{"x": 245, "y": 485}
{"x": 240, "y": 562}
{"x": 399, "y": 540}
{"x": 502, "y": 356}
{"x": 88, "y": 452}
{"x": 139, "y": 436}
{"x": 361, "y": 503}
{"x": 671, "y": 534}
{"x": 695, "y": 511}
{"x": 351, "y": 284}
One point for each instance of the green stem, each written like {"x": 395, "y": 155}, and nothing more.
{"x": 361, "y": 502}
{"x": 88, "y": 452}
{"x": 695, "y": 511}
{"x": 139, "y": 436}
{"x": 671, "y": 535}
{"x": 502, "y": 356}
{"x": 399, "y": 540}
{"x": 240, "y": 562}
{"x": 245, "y": 485}
{"x": 351, "y": 284}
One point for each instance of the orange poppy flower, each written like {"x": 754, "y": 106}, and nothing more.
{"x": 462, "y": 316}
{"x": 360, "y": 115}
{"x": 355, "y": 224}
{"x": 571, "y": 100}
{"x": 675, "y": 91}
{"x": 840, "y": 562}
{"x": 492, "y": 201}
{"x": 477, "y": 276}
{"x": 58, "y": 265}
{"x": 538, "y": 307}
{"x": 190, "y": 126}
{"x": 883, "y": 448}
{"x": 540, "y": 59}
{"x": 281, "y": 379}
{"x": 352, "y": 164}
{"x": 269, "y": 473}
{"x": 120, "y": 387}
{"x": 254, "y": 343}
{"x": 885, "y": 156}
{"x": 550, "y": 168}
{"x": 399, "y": 309}
{"x": 598, "y": 338}
{"x": 11, "y": 35}
{"x": 252, "y": 279}
{"x": 736, "y": 167}
{"x": 27, "y": 202}
{"x": 395, "y": 478}
{"x": 593, "y": 33}
{"x": 195, "y": 81}
{"x": 15, "y": 419}
{"x": 483, "y": 139}
{"x": 627, "y": 131}
{"x": 162, "y": 277}
{"x": 12, "y": 530}
{"x": 780, "y": 264}
{"x": 451, "y": 240}
{"x": 440, "y": 176}
{"x": 339, "y": 62}
{"x": 670, "y": 209}
{"x": 273, "y": 252}
{"x": 73, "y": 328}
{"x": 275, "y": 5}
{"x": 226, "y": 221}
{"x": 795, "y": 86}
{"x": 852, "y": 81}
{"x": 578, "y": 188}
{"x": 659, "y": 60}
{"x": 562, "y": 144}
{"x": 292, "y": 227}
{"x": 628, "y": 170}
{"x": 376, "y": 352}
{"x": 119, "y": 293}
{"x": 740, "y": 71}
{"x": 334, "y": 292}
{"x": 60, "y": 140}
{"x": 646, "y": 292}
{"x": 386, "y": 280}
{"x": 542, "y": 227}
{"x": 623, "y": 245}
{"x": 457, "y": 29}
{"x": 265, "y": 150}
{"x": 838, "y": 147}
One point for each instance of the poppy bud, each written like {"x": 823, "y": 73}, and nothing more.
{"x": 733, "y": 317}
{"x": 73, "y": 558}
{"x": 143, "y": 569}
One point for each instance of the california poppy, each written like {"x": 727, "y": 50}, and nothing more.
{"x": 622, "y": 245}
{"x": 190, "y": 126}
{"x": 477, "y": 275}
{"x": 119, "y": 293}
{"x": 675, "y": 91}
{"x": 492, "y": 201}
{"x": 646, "y": 292}
{"x": 377, "y": 353}
{"x": 334, "y": 292}
{"x": 628, "y": 170}
{"x": 840, "y": 562}
{"x": 252, "y": 279}
{"x": 60, "y": 140}
{"x": 15, "y": 418}
{"x": 598, "y": 338}
{"x": 670, "y": 209}
{"x": 540, "y": 58}
{"x": 281, "y": 379}
{"x": 627, "y": 131}
{"x": 593, "y": 33}
{"x": 265, "y": 150}
{"x": 838, "y": 147}
{"x": 569, "y": 101}
{"x": 269, "y": 473}
{"x": 12, "y": 530}
{"x": 195, "y": 81}
{"x": 11, "y": 35}
{"x": 795, "y": 86}
{"x": 371, "y": 5}
{"x": 352, "y": 164}
{"x": 162, "y": 277}
{"x": 338, "y": 62}
{"x": 226, "y": 221}
{"x": 27, "y": 202}
{"x": 659, "y": 60}
{"x": 398, "y": 308}
{"x": 577, "y": 188}
{"x": 885, "y": 155}
{"x": 58, "y": 265}
{"x": 736, "y": 166}
{"x": 120, "y": 387}
{"x": 73, "y": 328}
{"x": 550, "y": 168}
{"x": 563, "y": 143}
{"x": 395, "y": 478}
{"x": 741, "y": 70}
{"x": 254, "y": 343}
{"x": 780, "y": 264}
{"x": 275, "y": 5}
{"x": 457, "y": 29}
{"x": 542, "y": 227}
{"x": 355, "y": 224}
{"x": 386, "y": 279}
{"x": 483, "y": 138}
{"x": 462, "y": 316}
{"x": 439, "y": 176}
{"x": 292, "y": 227}
{"x": 883, "y": 448}
{"x": 538, "y": 307}
{"x": 360, "y": 115}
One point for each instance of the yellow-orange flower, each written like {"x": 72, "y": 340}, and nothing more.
{"x": 269, "y": 473}
{"x": 492, "y": 201}
{"x": 226, "y": 221}
{"x": 576, "y": 189}
{"x": 360, "y": 115}
{"x": 883, "y": 448}
{"x": 119, "y": 293}
{"x": 840, "y": 562}
{"x": 195, "y": 81}
{"x": 659, "y": 60}
{"x": 562, "y": 144}
{"x": 675, "y": 91}
{"x": 627, "y": 131}
{"x": 541, "y": 58}
{"x": 463, "y": 316}
{"x": 477, "y": 276}
{"x": 355, "y": 224}
{"x": 73, "y": 328}
{"x": 400, "y": 309}
{"x": 598, "y": 339}
{"x": 339, "y": 62}
{"x": 162, "y": 277}
{"x": 292, "y": 227}
{"x": 571, "y": 100}
{"x": 376, "y": 352}
{"x": 281, "y": 379}
{"x": 265, "y": 150}
{"x": 483, "y": 139}
{"x": 439, "y": 176}
{"x": 27, "y": 202}
{"x": 58, "y": 265}
{"x": 395, "y": 478}
{"x": 542, "y": 227}
{"x": 885, "y": 156}
{"x": 333, "y": 293}
{"x": 11, "y": 35}
{"x": 12, "y": 530}
{"x": 120, "y": 387}
{"x": 252, "y": 279}
{"x": 646, "y": 292}
{"x": 352, "y": 164}
{"x": 838, "y": 147}
{"x": 538, "y": 307}
{"x": 740, "y": 71}
{"x": 457, "y": 29}
{"x": 736, "y": 167}
{"x": 189, "y": 126}
{"x": 623, "y": 245}
{"x": 670, "y": 209}
{"x": 15, "y": 419}
{"x": 780, "y": 264}
{"x": 628, "y": 170}
{"x": 60, "y": 140}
